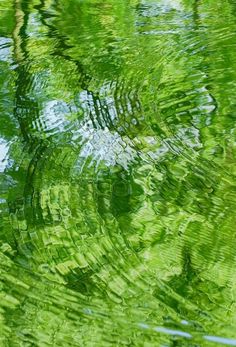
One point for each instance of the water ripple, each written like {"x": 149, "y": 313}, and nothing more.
{"x": 117, "y": 171}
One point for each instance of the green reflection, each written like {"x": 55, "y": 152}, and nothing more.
{"x": 117, "y": 172}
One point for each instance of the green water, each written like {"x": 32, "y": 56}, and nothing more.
{"x": 117, "y": 173}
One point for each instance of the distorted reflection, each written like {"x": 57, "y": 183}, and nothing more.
{"x": 117, "y": 173}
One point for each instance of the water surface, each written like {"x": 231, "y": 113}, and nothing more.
{"x": 117, "y": 173}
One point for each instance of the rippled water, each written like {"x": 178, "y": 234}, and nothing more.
{"x": 117, "y": 173}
